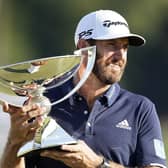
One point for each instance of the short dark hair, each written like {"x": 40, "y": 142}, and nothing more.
{"x": 91, "y": 42}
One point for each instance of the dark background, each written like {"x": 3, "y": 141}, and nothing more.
{"x": 41, "y": 28}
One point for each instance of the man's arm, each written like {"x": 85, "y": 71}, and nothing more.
{"x": 21, "y": 131}
{"x": 80, "y": 155}
{"x": 9, "y": 158}
{"x": 77, "y": 156}
{"x": 115, "y": 165}
{"x": 151, "y": 167}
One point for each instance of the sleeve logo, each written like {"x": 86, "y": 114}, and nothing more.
{"x": 159, "y": 148}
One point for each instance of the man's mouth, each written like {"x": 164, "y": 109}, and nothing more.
{"x": 115, "y": 67}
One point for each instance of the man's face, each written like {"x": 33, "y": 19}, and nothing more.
{"x": 111, "y": 60}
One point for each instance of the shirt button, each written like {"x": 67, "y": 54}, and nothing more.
{"x": 85, "y": 112}
{"x": 88, "y": 124}
{"x": 80, "y": 98}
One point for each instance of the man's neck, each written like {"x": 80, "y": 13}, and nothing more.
{"x": 92, "y": 89}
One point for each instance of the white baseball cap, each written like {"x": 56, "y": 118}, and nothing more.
{"x": 105, "y": 25}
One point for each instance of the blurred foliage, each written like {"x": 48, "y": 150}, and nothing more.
{"x": 39, "y": 28}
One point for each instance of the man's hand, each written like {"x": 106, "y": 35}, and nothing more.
{"x": 22, "y": 130}
{"x": 78, "y": 155}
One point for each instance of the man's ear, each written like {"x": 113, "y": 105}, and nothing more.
{"x": 82, "y": 43}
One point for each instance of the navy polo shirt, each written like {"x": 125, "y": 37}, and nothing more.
{"x": 122, "y": 126}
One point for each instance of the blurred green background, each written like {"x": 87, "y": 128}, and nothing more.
{"x": 39, "y": 28}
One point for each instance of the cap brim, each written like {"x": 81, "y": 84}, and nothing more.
{"x": 134, "y": 39}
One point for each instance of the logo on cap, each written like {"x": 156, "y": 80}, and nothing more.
{"x": 108, "y": 23}
{"x": 85, "y": 33}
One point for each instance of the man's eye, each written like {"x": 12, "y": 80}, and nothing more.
{"x": 125, "y": 46}
{"x": 112, "y": 44}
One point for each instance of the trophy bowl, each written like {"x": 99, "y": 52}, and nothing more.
{"x": 20, "y": 81}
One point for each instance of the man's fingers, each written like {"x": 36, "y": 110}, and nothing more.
{"x": 56, "y": 154}
{"x": 36, "y": 111}
{"x": 70, "y": 159}
{"x": 29, "y": 110}
{"x": 8, "y": 107}
{"x": 5, "y": 106}
{"x": 74, "y": 147}
{"x": 38, "y": 121}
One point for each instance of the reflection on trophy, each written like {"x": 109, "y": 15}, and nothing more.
{"x": 31, "y": 79}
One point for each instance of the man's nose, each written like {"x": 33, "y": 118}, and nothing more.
{"x": 119, "y": 47}
{"x": 119, "y": 53}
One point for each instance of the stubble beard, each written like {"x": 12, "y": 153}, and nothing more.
{"x": 105, "y": 75}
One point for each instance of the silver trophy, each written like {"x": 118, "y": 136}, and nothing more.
{"x": 20, "y": 81}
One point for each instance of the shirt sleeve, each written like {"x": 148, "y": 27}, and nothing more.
{"x": 150, "y": 146}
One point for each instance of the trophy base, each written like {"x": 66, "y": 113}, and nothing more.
{"x": 52, "y": 138}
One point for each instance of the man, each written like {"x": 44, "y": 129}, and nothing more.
{"x": 115, "y": 128}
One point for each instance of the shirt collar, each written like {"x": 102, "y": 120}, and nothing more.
{"x": 112, "y": 93}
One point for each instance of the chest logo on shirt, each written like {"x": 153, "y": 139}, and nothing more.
{"x": 124, "y": 125}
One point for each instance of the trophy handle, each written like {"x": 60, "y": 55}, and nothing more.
{"x": 89, "y": 67}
